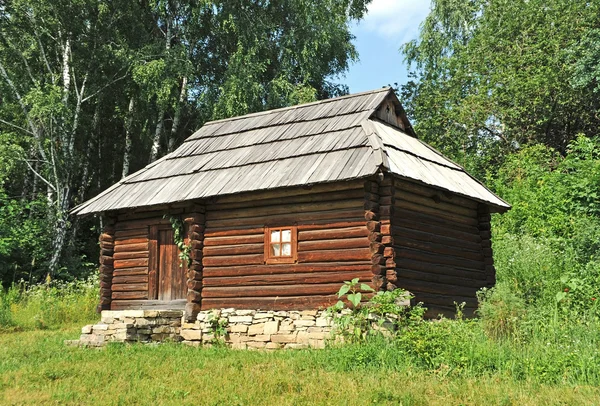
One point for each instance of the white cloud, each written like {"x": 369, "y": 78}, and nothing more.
{"x": 396, "y": 20}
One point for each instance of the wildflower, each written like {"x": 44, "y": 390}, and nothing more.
{"x": 593, "y": 298}
{"x": 566, "y": 289}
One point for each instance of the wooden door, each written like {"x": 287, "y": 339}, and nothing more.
{"x": 171, "y": 279}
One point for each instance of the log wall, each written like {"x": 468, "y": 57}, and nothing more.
{"x": 333, "y": 246}
{"x": 439, "y": 253}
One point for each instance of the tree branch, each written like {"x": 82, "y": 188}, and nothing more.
{"x": 39, "y": 176}
{"x": 17, "y": 127}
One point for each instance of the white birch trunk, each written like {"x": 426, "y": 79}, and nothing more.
{"x": 128, "y": 131}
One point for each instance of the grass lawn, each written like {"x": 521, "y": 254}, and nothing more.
{"x": 36, "y": 368}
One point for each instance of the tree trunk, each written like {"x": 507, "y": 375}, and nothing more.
{"x": 128, "y": 131}
{"x": 177, "y": 118}
{"x": 157, "y": 133}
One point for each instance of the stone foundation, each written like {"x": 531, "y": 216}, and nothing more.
{"x": 242, "y": 329}
{"x": 259, "y": 329}
{"x": 130, "y": 326}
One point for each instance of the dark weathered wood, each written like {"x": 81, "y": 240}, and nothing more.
{"x": 236, "y": 260}
{"x": 131, "y": 224}
{"x": 288, "y": 218}
{"x": 286, "y": 279}
{"x": 276, "y": 290}
{"x": 132, "y": 247}
{"x": 435, "y": 203}
{"x": 429, "y": 191}
{"x": 153, "y": 263}
{"x": 120, "y": 241}
{"x": 299, "y": 199}
{"x": 118, "y": 280}
{"x": 129, "y": 287}
{"x": 426, "y": 277}
{"x": 130, "y": 295}
{"x": 131, "y": 263}
{"x": 333, "y": 233}
{"x": 441, "y": 249}
{"x": 350, "y": 267}
{"x": 130, "y": 271}
{"x": 130, "y": 255}
{"x": 141, "y": 232}
{"x": 231, "y": 250}
{"x": 331, "y": 224}
{"x": 417, "y": 265}
{"x": 401, "y": 233}
{"x": 439, "y": 259}
{"x": 339, "y": 244}
{"x": 282, "y": 209}
{"x": 241, "y": 239}
{"x": 237, "y": 231}
{"x": 420, "y": 208}
{"x": 355, "y": 254}
{"x": 413, "y": 221}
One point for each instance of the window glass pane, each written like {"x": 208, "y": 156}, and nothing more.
{"x": 275, "y": 236}
{"x": 275, "y": 251}
{"x": 286, "y": 235}
{"x": 286, "y": 249}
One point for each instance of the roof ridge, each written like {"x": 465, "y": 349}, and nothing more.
{"x": 296, "y": 106}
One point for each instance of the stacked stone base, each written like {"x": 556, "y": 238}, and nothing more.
{"x": 131, "y": 326}
{"x": 255, "y": 329}
{"x": 241, "y": 329}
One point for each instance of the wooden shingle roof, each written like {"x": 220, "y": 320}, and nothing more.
{"x": 327, "y": 141}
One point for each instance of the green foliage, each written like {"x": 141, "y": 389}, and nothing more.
{"x": 178, "y": 237}
{"x": 491, "y": 77}
{"x": 48, "y": 305}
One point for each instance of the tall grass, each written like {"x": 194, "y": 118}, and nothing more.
{"x": 49, "y": 305}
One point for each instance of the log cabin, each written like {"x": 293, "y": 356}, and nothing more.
{"x": 274, "y": 210}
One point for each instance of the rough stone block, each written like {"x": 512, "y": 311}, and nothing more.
{"x": 263, "y": 316}
{"x": 283, "y": 338}
{"x": 309, "y": 313}
{"x": 170, "y": 313}
{"x": 304, "y": 323}
{"x": 293, "y": 346}
{"x": 87, "y": 329}
{"x": 238, "y": 338}
{"x": 255, "y": 345}
{"x": 302, "y": 337}
{"x": 261, "y": 337}
{"x": 323, "y": 322}
{"x": 190, "y": 326}
{"x": 271, "y": 327}
{"x": 318, "y": 336}
{"x": 238, "y": 328}
{"x": 273, "y": 346}
{"x": 244, "y": 312}
{"x": 320, "y": 344}
{"x": 151, "y": 314}
{"x": 255, "y": 329}
{"x": 240, "y": 319}
{"x": 286, "y": 327}
{"x": 239, "y": 346}
{"x": 133, "y": 313}
{"x": 191, "y": 335}
{"x": 161, "y": 330}
{"x": 100, "y": 327}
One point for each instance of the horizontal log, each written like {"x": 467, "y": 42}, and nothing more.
{"x": 290, "y": 199}
{"x": 129, "y": 287}
{"x": 132, "y": 224}
{"x": 330, "y": 225}
{"x": 282, "y": 208}
{"x": 253, "y": 259}
{"x": 152, "y": 212}
{"x": 386, "y": 211}
{"x": 401, "y": 233}
{"x": 130, "y": 295}
{"x": 287, "y": 279}
{"x": 371, "y": 186}
{"x": 130, "y": 255}
{"x": 420, "y": 266}
{"x": 106, "y": 252}
{"x": 371, "y": 215}
{"x": 131, "y": 263}
{"x": 107, "y": 237}
{"x": 132, "y": 247}
{"x": 427, "y": 277}
{"x": 230, "y": 250}
{"x": 432, "y": 211}
{"x": 135, "y": 279}
{"x": 277, "y": 290}
{"x": 406, "y": 253}
{"x": 148, "y": 304}
{"x": 333, "y": 244}
{"x": 441, "y": 249}
{"x": 372, "y": 197}
{"x": 288, "y": 218}
{"x": 284, "y": 269}
{"x": 193, "y": 296}
{"x": 429, "y": 191}
{"x": 272, "y": 303}
{"x": 435, "y": 202}
{"x": 286, "y": 192}
{"x": 239, "y": 239}
{"x": 239, "y": 231}
{"x": 194, "y": 275}
{"x": 130, "y": 271}
{"x": 373, "y": 226}
{"x": 130, "y": 241}
{"x": 194, "y": 285}
{"x": 356, "y": 254}
{"x": 331, "y": 234}
{"x": 105, "y": 260}
{"x": 141, "y": 232}
{"x": 411, "y": 220}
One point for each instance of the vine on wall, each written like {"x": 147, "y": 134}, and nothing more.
{"x": 179, "y": 237}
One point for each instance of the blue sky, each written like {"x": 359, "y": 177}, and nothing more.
{"x": 387, "y": 25}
